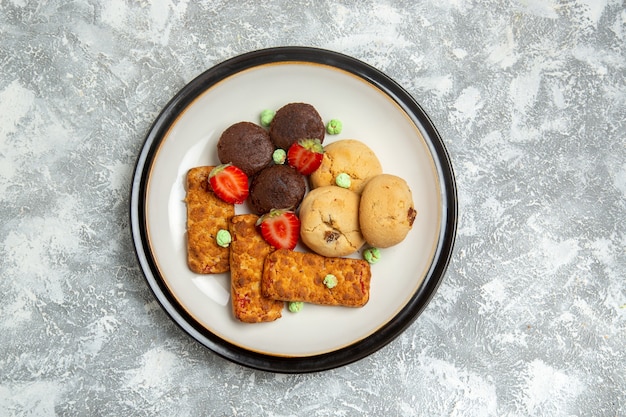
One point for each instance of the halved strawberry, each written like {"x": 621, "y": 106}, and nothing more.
{"x": 229, "y": 183}
{"x": 280, "y": 228}
{"x": 305, "y": 155}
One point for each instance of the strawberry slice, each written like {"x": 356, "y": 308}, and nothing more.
{"x": 305, "y": 155}
{"x": 229, "y": 183}
{"x": 280, "y": 228}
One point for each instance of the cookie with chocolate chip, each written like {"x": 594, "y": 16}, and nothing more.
{"x": 386, "y": 212}
{"x": 329, "y": 219}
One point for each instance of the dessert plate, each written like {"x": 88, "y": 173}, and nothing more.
{"x": 375, "y": 110}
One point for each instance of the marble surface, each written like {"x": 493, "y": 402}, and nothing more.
{"x": 530, "y": 97}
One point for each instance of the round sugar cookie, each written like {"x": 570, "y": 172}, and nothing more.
{"x": 329, "y": 218}
{"x": 348, "y": 156}
{"x": 386, "y": 210}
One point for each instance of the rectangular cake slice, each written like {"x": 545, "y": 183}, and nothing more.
{"x": 248, "y": 251}
{"x": 299, "y": 276}
{"x": 206, "y": 215}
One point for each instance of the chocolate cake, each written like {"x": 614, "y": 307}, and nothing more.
{"x": 276, "y": 187}
{"x": 247, "y": 146}
{"x": 295, "y": 121}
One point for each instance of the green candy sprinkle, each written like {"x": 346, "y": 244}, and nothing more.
{"x": 372, "y": 255}
{"x": 343, "y": 180}
{"x": 334, "y": 127}
{"x": 267, "y": 116}
{"x": 279, "y": 156}
{"x": 223, "y": 238}
{"x": 295, "y": 306}
{"x": 330, "y": 281}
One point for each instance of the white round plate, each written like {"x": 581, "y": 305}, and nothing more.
{"x": 375, "y": 110}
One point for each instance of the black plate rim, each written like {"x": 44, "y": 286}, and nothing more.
{"x": 362, "y": 348}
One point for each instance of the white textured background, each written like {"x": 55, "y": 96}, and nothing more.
{"x": 530, "y": 97}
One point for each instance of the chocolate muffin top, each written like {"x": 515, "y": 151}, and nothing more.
{"x": 276, "y": 187}
{"x": 247, "y": 146}
{"x": 295, "y": 121}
